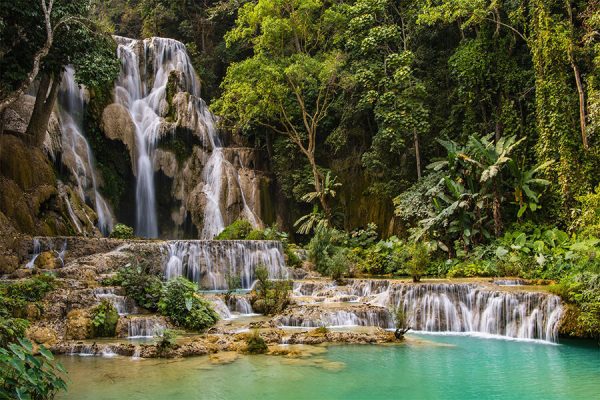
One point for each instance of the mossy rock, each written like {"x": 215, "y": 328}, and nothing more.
{"x": 78, "y": 325}
{"x": 14, "y": 206}
{"x": 28, "y": 167}
{"x": 48, "y": 260}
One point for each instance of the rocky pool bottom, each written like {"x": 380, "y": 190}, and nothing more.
{"x": 423, "y": 367}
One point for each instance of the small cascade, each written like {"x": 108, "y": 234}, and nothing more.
{"x": 509, "y": 282}
{"x": 143, "y": 327}
{"x": 323, "y": 317}
{"x": 77, "y": 154}
{"x": 209, "y": 262}
{"x": 220, "y": 308}
{"x": 37, "y": 250}
{"x": 242, "y": 305}
{"x": 123, "y": 304}
{"x": 81, "y": 349}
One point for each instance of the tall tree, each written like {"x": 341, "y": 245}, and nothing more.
{"x": 290, "y": 81}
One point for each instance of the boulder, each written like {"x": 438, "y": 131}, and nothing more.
{"x": 117, "y": 125}
{"x": 48, "y": 260}
{"x": 42, "y": 335}
{"x": 78, "y": 325}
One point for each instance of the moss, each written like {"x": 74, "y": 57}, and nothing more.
{"x": 181, "y": 144}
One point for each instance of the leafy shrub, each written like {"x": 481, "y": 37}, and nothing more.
{"x": 10, "y": 328}
{"x": 271, "y": 296}
{"x": 321, "y": 330}
{"x": 416, "y": 265}
{"x": 583, "y": 290}
{"x": 104, "y": 319}
{"x": 185, "y": 307}
{"x": 470, "y": 269}
{"x": 167, "y": 339}
{"x": 33, "y": 289}
{"x": 256, "y": 344}
{"x": 256, "y": 234}
{"x": 362, "y": 238}
{"x": 323, "y": 245}
{"x": 122, "y": 231}
{"x": 238, "y": 230}
{"x": 142, "y": 287}
{"x": 339, "y": 264}
{"x": 25, "y": 376}
{"x": 385, "y": 257}
{"x": 587, "y": 219}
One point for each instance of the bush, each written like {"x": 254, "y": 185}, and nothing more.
{"x": 167, "y": 339}
{"x": 583, "y": 290}
{"x": 271, "y": 296}
{"x": 33, "y": 289}
{"x": 238, "y": 230}
{"x": 25, "y": 376}
{"x": 185, "y": 307}
{"x": 469, "y": 269}
{"x": 256, "y": 344}
{"x": 145, "y": 289}
{"x": 323, "y": 245}
{"x": 385, "y": 257}
{"x": 104, "y": 319}
{"x": 418, "y": 261}
{"x": 122, "y": 231}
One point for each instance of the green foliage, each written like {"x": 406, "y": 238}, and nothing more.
{"x": 583, "y": 289}
{"x": 122, "y": 231}
{"x": 271, "y": 296}
{"x": 323, "y": 246}
{"x": 256, "y": 344}
{"x": 26, "y": 376}
{"x": 104, "y": 319}
{"x": 416, "y": 265}
{"x": 384, "y": 257}
{"x": 587, "y": 219}
{"x": 238, "y": 230}
{"x": 144, "y": 288}
{"x": 185, "y": 307}
{"x": 166, "y": 339}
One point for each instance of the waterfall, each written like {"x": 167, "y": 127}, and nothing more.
{"x": 143, "y": 327}
{"x": 444, "y": 307}
{"x": 142, "y": 89}
{"x": 77, "y": 154}
{"x": 38, "y": 248}
{"x": 316, "y": 317}
{"x": 472, "y": 309}
{"x": 209, "y": 262}
{"x": 123, "y": 304}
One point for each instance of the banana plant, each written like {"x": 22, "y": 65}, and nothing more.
{"x": 527, "y": 188}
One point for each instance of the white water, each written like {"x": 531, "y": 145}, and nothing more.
{"x": 143, "y": 92}
{"x": 209, "y": 262}
{"x": 123, "y": 304}
{"x": 143, "y": 327}
{"x": 38, "y": 248}
{"x": 77, "y": 153}
{"x": 454, "y": 308}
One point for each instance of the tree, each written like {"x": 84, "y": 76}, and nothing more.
{"x": 290, "y": 81}
{"x": 70, "y": 38}
{"x": 379, "y": 38}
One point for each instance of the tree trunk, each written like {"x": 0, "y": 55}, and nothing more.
{"x": 497, "y": 212}
{"x": 580, "y": 91}
{"x": 37, "y": 59}
{"x": 42, "y": 109}
{"x": 318, "y": 178}
{"x": 417, "y": 153}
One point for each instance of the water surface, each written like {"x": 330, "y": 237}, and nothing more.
{"x": 450, "y": 367}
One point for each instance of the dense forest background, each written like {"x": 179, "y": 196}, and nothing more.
{"x": 394, "y": 129}
{"x": 401, "y": 76}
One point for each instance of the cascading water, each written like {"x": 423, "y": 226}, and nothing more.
{"x": 142, "y": 89}
{"x": 466, "y": 308}
{"x": 77, "y": 154}
{"x": 209, "y": 262}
